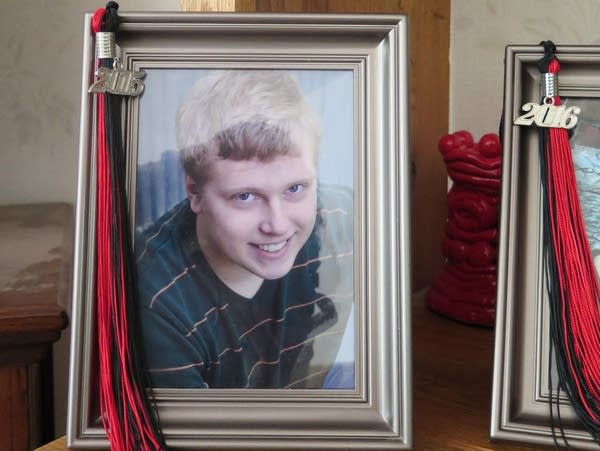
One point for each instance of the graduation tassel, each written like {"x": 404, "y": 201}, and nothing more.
{"x": 573, "y": 287}
{"x": 127, "y": 415}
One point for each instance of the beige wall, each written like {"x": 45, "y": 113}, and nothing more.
{"x": 40, "y": 79}
{"x": 481, "y": 29}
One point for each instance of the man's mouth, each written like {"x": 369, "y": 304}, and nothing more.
{"x": 272, "y": 247}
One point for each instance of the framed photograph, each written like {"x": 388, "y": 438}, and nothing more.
{"x": 523, "y": 366}
{"x": 268, "y": 189}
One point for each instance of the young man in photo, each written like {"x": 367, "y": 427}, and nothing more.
{"x": 248, "y": 283}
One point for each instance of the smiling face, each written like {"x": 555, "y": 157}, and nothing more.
{"x": 252, "y": 216}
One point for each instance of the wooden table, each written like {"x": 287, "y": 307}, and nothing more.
{"x": 57, "y": 445}
{"x": 452, "y": 377}
{"x": 35, "y": 259}
{"x": 452, "y": 386}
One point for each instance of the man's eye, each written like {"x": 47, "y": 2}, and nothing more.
{"x": 244, "y": 197}
{"x": 297, "y": 188}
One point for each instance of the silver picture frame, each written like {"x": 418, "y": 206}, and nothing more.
{"x": 376, "y": 414}
{"x": 521, "y": 395}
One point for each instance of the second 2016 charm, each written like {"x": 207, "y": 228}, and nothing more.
{"x": 548, "y": 115}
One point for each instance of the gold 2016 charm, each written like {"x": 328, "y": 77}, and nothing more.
{"x": 548, "y": 115}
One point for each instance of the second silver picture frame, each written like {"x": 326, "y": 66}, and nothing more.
{"x": 522, "y": 366}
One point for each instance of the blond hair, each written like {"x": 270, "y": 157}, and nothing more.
{"x": 240, "y": 115}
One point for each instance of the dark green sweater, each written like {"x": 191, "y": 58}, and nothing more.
{"x": 198, "y": 333}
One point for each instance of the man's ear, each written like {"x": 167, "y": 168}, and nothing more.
{"x": 193, "y": 192}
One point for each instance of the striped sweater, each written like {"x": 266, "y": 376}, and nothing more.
{"x": 198, "y": 333}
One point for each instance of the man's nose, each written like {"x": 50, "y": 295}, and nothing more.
{"x": 275, "y": 220}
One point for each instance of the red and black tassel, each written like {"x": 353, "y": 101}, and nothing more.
{"x": 573, "y": 288}
{"x": 127, "y": 414}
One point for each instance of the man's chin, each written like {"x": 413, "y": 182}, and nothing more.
{"x": 274, "y": 274}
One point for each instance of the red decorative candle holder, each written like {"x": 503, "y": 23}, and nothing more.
{"x": 465, "y": 288}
